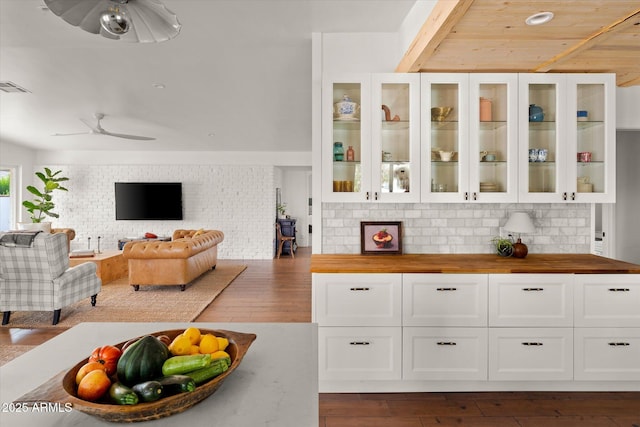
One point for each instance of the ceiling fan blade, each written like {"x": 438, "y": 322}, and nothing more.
{"x": 125, "y": 136}
{"x": 70, "y": 134}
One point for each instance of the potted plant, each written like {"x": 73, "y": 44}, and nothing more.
{"x": 281, "y": 208}
{"x": 42, "y": 205}
{"x": 504, "y": 246}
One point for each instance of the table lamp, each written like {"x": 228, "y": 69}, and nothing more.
{"x": 519, "y": 222}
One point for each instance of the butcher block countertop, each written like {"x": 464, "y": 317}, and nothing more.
{"x": 470, "y": 263}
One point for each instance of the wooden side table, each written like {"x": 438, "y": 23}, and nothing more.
{"x": 111, "y": 265}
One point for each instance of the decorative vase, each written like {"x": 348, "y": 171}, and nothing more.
{"x": 520, "y": 250}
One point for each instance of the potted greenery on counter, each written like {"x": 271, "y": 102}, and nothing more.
{"x": 504, "y": 246}
{"x": 41, "y": 207}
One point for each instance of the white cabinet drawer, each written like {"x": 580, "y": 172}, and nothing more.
{"x": 607, "y": 300}
{"x": 607, "y": 354}
{"x": 358, "y": 299}
{"x": 444, "y": 353}
{"x": 531, "y": 354}
{"x": 530, "y": 300}
{"x": 360, "y": 353}
{"x": 444, "y": 300}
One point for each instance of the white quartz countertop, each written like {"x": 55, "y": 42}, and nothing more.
{"x": 275, "y": 385}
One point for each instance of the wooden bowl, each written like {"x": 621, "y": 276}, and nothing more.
{"x": 62, "y": 388}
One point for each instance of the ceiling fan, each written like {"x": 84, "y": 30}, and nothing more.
{"x": 97, "y": 129}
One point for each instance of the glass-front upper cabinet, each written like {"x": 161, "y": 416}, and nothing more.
{"x": 591, "y": 163}
{"x": 371, "y": 138}
{"x": 493, "y": 137}
{"x": 346, "y": 137}
{"x": 567, "y": 138}
{"x": 543, "y": 137}
{"x": 445, "y": 153}
{"x": 395, "y": 137}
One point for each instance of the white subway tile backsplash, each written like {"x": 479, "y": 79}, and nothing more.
{"x": 458, "y": 228}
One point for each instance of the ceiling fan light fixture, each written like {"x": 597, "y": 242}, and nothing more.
{"x": 134, "y": 21}
{"x": 539, "y": 18}
{"x": 115, "y": 21}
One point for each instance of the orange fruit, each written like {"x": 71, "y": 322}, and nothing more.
{"x": 208, "y": 344}
{"x": 193, "y": 334}
{"x": 94, "y": 385}
{"x": 195, "y": 349}
{"x": 88, "y": 367}
{"x": 220, "y": 355}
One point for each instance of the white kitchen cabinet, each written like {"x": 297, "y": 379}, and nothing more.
{"x": 371, "y": 138}
{"x": 607, "y": 300}
{"x": 493, "y": 138}
{"x": 358, "y": 299}
{"x": 531, "y": 300}
{"x": 444, "y": 300}
{"x": 530, "y": 354}
{"x": 359, "y": 353}
{"x": 609, "y": 354}
{"x": 444, "y": 353}
{"x": 483, "y": 141}
{"x": 578, "y": 162}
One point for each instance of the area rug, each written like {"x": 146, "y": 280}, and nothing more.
{"x": 10, "y": 352}
{"x": 118, "y": 302}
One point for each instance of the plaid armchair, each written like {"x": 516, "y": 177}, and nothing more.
{"x": 35, "y": 275}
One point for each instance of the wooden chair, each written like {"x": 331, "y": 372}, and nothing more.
{"x": 282, "y": 239}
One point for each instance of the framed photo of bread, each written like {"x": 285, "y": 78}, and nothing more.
{"x": 381, "y": 237}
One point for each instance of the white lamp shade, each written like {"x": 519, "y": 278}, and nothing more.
{"x": 520, "y": 222}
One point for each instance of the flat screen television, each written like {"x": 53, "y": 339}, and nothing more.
{"x": 148, "y": 200}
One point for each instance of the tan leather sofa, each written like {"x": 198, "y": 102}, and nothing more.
{"x": 189, "y": 254}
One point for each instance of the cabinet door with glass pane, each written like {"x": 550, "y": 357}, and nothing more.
{"x": 493, "y": 137}
{"x": 543, "y": 137}
{"x": 591, "y": 159}
{"x": 395, "y": 137}
{"x": 346, "y": 138}
{"x": 445, "y": 144}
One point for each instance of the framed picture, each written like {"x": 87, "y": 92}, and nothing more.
{"x": 380, "y": 237}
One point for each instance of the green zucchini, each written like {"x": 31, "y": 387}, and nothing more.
{"x": 174, "y": 384}
{"x": 178, "y": 365}
{"x": 122, "y": 395}
{"x": 203, "y": 375}
{"x": 148, "y": 391}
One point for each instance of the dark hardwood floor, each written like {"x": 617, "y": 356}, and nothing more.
{"x": 279, "y": 290}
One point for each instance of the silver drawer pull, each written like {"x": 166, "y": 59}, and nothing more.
{"x": 359, "y": 343}
{"x": 446, "y": 289}
{"x": 446, "y": 343}
{"x": 619, "y": 344}
{"x": 533, "y": 289}
{"x": 359, "y": 289}
{"x": 618, "y": 289}
{"x": 532, "y": 343}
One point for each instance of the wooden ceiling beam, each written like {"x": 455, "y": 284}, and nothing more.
{"x": 598, "y": 37}
{"x": 444, "y": 16}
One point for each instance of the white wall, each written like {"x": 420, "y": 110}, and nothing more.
{"x": 239, "y": 200}
{"x": 628, "y": 107}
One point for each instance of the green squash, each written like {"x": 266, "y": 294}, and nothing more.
{"x": 142, "y": 361}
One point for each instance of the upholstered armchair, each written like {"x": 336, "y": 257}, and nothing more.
{"x": 35, "y": 275}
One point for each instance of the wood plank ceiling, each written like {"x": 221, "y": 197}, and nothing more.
{"x": 598, "y": 36}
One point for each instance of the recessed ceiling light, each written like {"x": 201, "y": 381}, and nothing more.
{"x": 159, "y": 85}
{"x": 539, "y": 18}
{"x": 211, "y": 134}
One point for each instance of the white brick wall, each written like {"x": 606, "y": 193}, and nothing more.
{"x": 239, "y": 200}
{"x": 458, "y": 228}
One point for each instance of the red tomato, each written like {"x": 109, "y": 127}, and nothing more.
{"x": 108, "y": 355}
